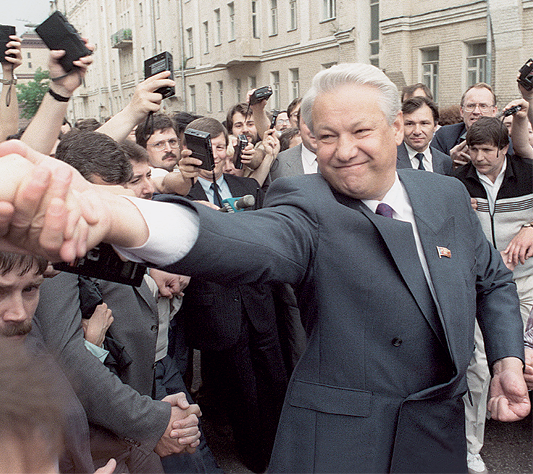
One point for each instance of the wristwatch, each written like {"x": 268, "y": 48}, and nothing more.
{"x": 8, "y": 82}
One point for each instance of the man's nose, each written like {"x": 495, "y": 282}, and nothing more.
{"x": 16, "y": 311}
{"x": 346, "y": 148}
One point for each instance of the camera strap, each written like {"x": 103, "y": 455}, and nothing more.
{"x": 8, "y": 96}
{"x": 149, "y": 126}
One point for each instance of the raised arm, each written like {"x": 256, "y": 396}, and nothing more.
{"x": 519, "y": 129}
{"x": 43, "y": 130}
{"x": 9, "y": 111}
{"x": 144, "y": 101}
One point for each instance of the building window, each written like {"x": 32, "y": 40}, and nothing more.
{"x": 293, "y": 15}
{"x": 29, "y": 65}
{"x": 140, "y": 14}
{"x": 273, "y": 17}
{"x": 218, "y": 27}
{"x": 252, "y": 82}
{"x": 374, "y": 32}
{"x": 328, "y": 9}
{"x": 160, "y": 43}
{"x": 274, "y": 80}
{"x": 206, "y": 37}
{"x": 255, "y": 20}
{"x": 231, "y": 11}
{"x": 190, "y": 43}
{"x": 220, "y": 96}
{"x": 192, "y": 96}
{"x": 209, "y": 98}
{"x": 295, "y": 83}
{"x": 430, "y": 70}
{"x": 29, "y": 55}
{"x": 238, "y": 89}
{"x": 476, "y": 63}
{"x": 157, "y": 10}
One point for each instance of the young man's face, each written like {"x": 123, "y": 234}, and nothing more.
{"x": 487, "y": 159}
{"x": 163, "y": 149}
{"x": 141, "y": 183}
{"x": 419, "y": 127}
{"x": 19, "y": 295}
{"x": 244, "y": 126}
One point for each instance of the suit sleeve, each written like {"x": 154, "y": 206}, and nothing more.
{"x": 107, "y": 401}
{"x": 275, "y": 243}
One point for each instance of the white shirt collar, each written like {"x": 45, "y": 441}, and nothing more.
{"x": 427, "y": 161}
{"x": 309, "y": 162}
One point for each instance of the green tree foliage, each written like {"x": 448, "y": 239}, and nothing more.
{"x": 30, "y": 95}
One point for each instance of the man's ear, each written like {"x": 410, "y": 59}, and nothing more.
{"x": 397, "y": 125}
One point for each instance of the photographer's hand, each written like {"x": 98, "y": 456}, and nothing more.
{"x": 43, "y": 130}
{"x": 8, "y": 98}
{"x": 144, "y": 101}
{"x": 520, "y": 129}
{"x": 262, "y": 123}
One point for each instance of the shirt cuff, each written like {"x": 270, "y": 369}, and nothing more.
{"x": 173, "y": 230}
{"x": 99, "y": 352}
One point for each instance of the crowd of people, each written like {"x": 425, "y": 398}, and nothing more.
{"x": 362, "y": 314}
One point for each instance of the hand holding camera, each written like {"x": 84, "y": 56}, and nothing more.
{"x": 10, "y": 54}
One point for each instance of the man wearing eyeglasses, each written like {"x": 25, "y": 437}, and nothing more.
{"x": 160, "y": 139}
{"x": 479, "y": 100}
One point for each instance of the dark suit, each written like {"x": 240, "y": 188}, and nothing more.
{"x": 379, "y": 387}
{"x": 235, "y": 328}
{"x": 288, "y": 163}
{"x": 442, "y": 163}
{"x": 448, "y": 136}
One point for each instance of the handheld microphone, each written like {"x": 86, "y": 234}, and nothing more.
{"x": 237, "y": 204}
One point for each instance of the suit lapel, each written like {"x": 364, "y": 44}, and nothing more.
{"x": 399, "y": 239}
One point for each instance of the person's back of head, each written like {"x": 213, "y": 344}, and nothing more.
{"x": 94, "y": 154}
{"x": 450, "y": 115}
{"x": 135, "y": 152}
{"x": 416, "y": 90}
{"x": 145, "y": 130}
{"x": 182, "y": 119}
{"x": 90, "y": 124}
{"x": 286, "y": 139}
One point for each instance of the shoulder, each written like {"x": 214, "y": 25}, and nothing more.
{"x": 450, "y": 130}
{"x": 290, "y": 153}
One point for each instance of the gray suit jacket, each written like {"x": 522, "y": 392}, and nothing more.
{"x": 108, "y": 401}
{"x": 379, "y": 386}
{"x": 442, "y": 163}
{"x": 288, "y": 163}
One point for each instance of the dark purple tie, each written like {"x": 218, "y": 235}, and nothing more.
{"x": 384, "y": 210}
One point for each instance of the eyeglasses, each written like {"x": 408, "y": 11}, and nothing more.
{"x": 281, "y": 121}
{"x": 472, "y": 107}
{"x": 160, "y": 146}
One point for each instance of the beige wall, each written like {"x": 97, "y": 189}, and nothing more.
{"x": 406, "y": 27}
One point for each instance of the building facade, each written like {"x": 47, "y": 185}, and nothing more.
{"x": 221, "y": 49}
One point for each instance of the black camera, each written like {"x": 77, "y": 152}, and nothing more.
{"x": 5, "y": 32}
{"x": 275, "y": 114}
{"x": 242, "y": 142}
{"x": 159, "y": 63}
{"x": 58, "y": 33}
{"x": 103, "y": 262}
{"x": 200, "y": 145}
{"x": 526, "y": 77}
{"x": 259, "y": 94}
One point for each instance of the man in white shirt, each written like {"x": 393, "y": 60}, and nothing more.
{"x": 379, "y": 387}
{"x": 420, "y": 118}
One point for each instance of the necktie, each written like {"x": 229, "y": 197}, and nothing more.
{"x": 420, "y": 158}
{"x": 217, "y": 200}
{"x": 384, "y": 210}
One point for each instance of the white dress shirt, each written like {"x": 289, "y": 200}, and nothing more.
{"x": 427, "y": 161}
{"x": 309, "y": 161}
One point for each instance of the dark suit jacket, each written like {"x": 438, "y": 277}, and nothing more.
{"x": 109, "y": 402}
{"x": 442, "y": 163}
{"x": 288, "y": 163}
{"x": 447, "y": 137}
{"x": 379, "y": 386}
{"x": 212, "y": 312}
